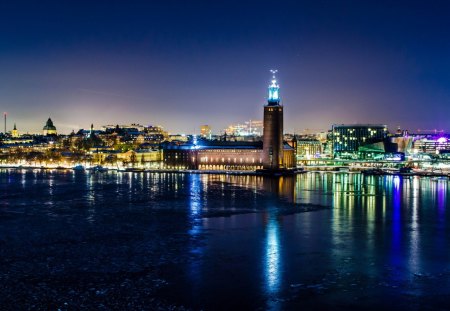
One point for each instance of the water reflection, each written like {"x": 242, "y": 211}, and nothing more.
{"x": 272, "y": 259}
{"x": 283, "y": 187}
{"x": 247, "y": 237}
{"x": 414, "y": 261}
{"x": 441, "y": 197}
{"x": 194, "y": 191}
{"x": 367, "y": 214}
{"x": 396, "y": 219}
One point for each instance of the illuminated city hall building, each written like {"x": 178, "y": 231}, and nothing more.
{"x": 273, "y": 146}
{"x": 271, "y": 153}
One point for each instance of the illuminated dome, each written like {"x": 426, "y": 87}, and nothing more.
{"x": 49, "y": 128}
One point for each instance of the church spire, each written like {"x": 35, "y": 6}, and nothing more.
{"x": 274, "y": 91}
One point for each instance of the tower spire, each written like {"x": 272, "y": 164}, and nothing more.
{"x": 274, "y": 90}
{"x": 273, "y": 152}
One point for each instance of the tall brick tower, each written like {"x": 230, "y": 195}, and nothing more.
{"x": 273, "y": 128}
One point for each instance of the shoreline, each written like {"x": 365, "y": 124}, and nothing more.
{"x": 138, "y": 170}
{"x": 222, "y": 172}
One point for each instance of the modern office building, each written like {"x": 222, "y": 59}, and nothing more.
{"x": 347, "y": 138}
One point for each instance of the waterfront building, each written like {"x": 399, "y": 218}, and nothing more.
{"x": 431, "y": 145}
{"x": 214, "y": 156}
{"x": 309, "y": 148}
{"x": 219, "y": 155}
{"x": 49, "y": 128}
{"x": 273, "y": 153}
{"x": 444, "y": 154}
{"x": 273, "y": 129}
{"x": 347, "y": 138}
{"x": 149, "y": 156}
{"x": 103, "y": 155}
{"x": 404, "y": 143}
{"x": 140, "y": 157}
{"x": 380, "y": 150}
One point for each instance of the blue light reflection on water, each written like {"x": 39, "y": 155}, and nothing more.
{"x": 414, "y": 257}
{"x": 441, "y": 197}
{"x": 272, "y": 254}
{"x": 396, "y": 220}
{"x": 194, "y": 192}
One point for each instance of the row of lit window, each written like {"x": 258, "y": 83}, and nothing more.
{"x": 229, "y": 167}
{"x": 214, "y": 160}
{"x": 230, "y": 150}
{"x": 275, "y": 109}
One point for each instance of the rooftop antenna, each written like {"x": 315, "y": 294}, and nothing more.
{"x": 4, "y": 115}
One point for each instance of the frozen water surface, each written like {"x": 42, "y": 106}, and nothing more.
{"x": 74, "y": 240}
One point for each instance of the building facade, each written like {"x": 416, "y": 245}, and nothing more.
{"x": 49, "y": 128}
{"x": 273, "y": 129}
{"x": 309, "y": 148}
{"x": 346, "y": 139}
{"x": 431, "y": 145}
{"x": 271, "y": 153}
{"x": 214, "y": 156}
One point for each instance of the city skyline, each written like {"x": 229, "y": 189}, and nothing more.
{"x": 225, "y": 155}
{"x": 182, "y": 65}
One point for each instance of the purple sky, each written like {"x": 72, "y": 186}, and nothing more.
{"x": 181, "y": 64}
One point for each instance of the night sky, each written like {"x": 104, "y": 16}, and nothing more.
{"x": 181, "y": 64}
